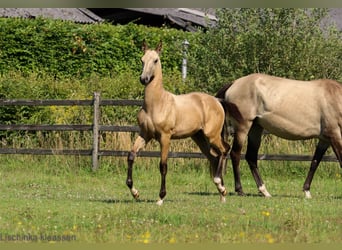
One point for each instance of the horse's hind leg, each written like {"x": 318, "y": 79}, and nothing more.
{"x": 216, "y": 161}
{"x": 254, "y": 140}
{"x": 319, "y": 152}
{"x": 139, "y": 143}
{"x": 336, "y": 144}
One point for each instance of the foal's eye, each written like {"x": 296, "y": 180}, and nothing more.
{"x": 155, "y": 61}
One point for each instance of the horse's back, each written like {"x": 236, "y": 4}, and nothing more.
{"x": 289, "y": 108}
{"x": 278, "y": 91}
{"x": 207, "y": 105}
{"x": 201, "y": 109}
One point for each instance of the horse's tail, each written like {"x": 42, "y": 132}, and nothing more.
{"x": 220, "y": 95}
{"x": 222, "y": 91}
{"x": 230, "y": 109}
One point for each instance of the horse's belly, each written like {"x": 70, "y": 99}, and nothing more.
{"x": 185, "y": 129}
{"x": 296, "y": 129}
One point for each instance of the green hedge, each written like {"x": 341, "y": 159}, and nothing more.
{"x": 67, "y": 49}
{"x": 51, "y": 59}
{"x": 283, "y": 42}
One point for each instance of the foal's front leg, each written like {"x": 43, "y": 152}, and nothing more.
{"x": 164, "y": 145}
{"x": 139, "y": 143}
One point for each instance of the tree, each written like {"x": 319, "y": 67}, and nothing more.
{"x": 284, "y": 42}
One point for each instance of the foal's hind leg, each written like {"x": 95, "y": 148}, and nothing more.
{"x": 217, "y": 161}
{"x": 139, "y": 143}
{"x": 222, "y": 149}
{"x": 254, "y": 140}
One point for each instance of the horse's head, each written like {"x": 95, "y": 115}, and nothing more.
{"x": 151, "y": 63}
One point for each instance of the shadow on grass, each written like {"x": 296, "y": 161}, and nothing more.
{"x": 127, "y": 201}
{"x": 217, "y": 194}
{"x": 255, "y": 195}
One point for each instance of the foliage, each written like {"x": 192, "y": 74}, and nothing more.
{"x": 66, "y": 49}
{"x": 284, "y": 42}
{"x": 51, "y": 59}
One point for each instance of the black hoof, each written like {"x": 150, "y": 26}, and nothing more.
{"x": 240, "y": 193}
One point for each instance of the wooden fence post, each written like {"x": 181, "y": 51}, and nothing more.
{"x": 96, "y": 135}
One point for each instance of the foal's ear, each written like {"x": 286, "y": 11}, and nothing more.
{"x": 159, "y": 47}
{"x": 144, "y": 46}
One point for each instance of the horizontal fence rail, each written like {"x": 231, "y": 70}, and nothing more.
{"x": 95, "y": 151}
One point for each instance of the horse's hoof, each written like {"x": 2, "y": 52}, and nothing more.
{"x": 241, "y": 193}
{"x": 264, "y": 191}
{"x": 307, "y": 194}
{"x": 160, "y": 202}
{"x": 135, "y": 194}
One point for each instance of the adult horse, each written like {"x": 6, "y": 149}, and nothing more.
{"x": 165, "y": 116}
{"x": 290, "y": 109}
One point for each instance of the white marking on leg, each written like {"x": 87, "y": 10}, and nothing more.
{"x": 221, "y": 189}
{"x": 135, "y": 193}
{"x": 307, "y": 194}
{"x": 264, "y": 191}
{"x": 217, "y": 180}
{"x": 160, "y": 202}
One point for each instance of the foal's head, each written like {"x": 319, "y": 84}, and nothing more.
{"x": 151, "y": 63}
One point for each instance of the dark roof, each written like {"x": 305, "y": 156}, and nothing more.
{"x": 185, "y": 18}
{"x": 79, "y": 15}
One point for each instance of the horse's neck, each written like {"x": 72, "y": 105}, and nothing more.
{"x": 155, "y": 92}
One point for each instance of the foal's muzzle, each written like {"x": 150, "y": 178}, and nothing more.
{"x": 146, "y": 80}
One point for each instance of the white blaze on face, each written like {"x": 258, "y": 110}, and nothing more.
{"x": 150, "y": 61}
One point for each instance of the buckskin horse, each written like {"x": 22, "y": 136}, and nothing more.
{"x": 165, "y": 116}
{"x": 290, "y": 109}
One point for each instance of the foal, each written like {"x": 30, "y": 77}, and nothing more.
{"x": 165, "y": 116}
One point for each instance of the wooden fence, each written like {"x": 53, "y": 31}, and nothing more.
{"x": 96, "y": 128}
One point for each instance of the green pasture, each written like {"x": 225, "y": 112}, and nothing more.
{"x": 58, "y": 198}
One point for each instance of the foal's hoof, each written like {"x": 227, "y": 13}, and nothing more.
{"x": 263, "y": 190}
{"x": 135, "y": 194}
{"x": 160, "y": 202}
{"x": 307, "y": 194}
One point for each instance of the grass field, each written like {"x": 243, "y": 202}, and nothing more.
{"x": 57, "y": 198}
